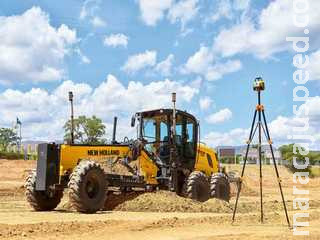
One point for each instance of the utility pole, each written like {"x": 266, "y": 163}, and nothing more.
{"x": 18, "y": 123}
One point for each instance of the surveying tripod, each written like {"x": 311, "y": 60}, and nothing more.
{"x": 259, "y": 86}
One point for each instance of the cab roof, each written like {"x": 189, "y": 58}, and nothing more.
{"x": 165, "y": 111}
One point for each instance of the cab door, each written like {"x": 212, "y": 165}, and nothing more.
{"x": 186, "y": 140}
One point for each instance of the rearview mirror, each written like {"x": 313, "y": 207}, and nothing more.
{"x": 133, "y": 121}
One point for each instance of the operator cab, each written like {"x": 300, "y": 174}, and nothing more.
{"x": 155, "y": 131}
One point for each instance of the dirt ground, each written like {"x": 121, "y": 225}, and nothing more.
{"x": 160, "y": 215}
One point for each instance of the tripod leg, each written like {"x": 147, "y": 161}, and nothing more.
{"x": 259, "y": 108}
{"x": 244, "y": 164}
{"x": 260, "y": 169}
{"x": 275, "y": 167}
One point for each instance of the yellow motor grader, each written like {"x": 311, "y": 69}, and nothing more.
{"x": 168, "y": 156}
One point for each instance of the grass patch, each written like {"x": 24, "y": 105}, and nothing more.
{"x": 11, "y": 155}
{"x": 315, "y": 171}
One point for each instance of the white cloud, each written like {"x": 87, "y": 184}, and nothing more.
{"x": 228, "y": 9}
{"x": 218, "y": 70}
{"x": 98, "y": 22}
{"x": 196, "y": 83}
{"x": 84, "y": 11}
{"x": 200, "y": 61}
{"x": 259, "y": 37}
{"x": 83, "y": 58}
{"x": 153, "y": 10}
{"x": 234, "y": 137}
{"x": 235, "y": 40}
{"x": 220, "y": 116}
{"x": 115, "y": 40}
{"x": 65, "y": 33}
{"x": 224, "y": 10}
{"x": 183, "y": 11}
{"x": 164, "y": 67}
{"x": 39, "y": 108}
{"x": 133, "y": 98}
{"x": 280, "y": 128}
{"x": 203, "y": 62}
{"x": 313, "y": 67}
{"x": 140, "y": 61}
{"x": 31, "y": 49}
{"x": 148, "y": 61}
{"x": 241, "y": 4}
{"x": 89, "y": 11}
{"x": 205, "y": 103}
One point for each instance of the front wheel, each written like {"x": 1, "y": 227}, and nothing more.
{"x": 41, "y": 200}
{"x": 87, "y": 187}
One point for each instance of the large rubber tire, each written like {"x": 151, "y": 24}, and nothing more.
{"x": 220, "y": 187}
{"x": 41, "y": 200}
{"x": 87, "y": 187}
{"x": 197, "y": 187}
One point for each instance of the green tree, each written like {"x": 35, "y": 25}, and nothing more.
{"x": 86, "y": 130}
{"x": 314, "y": 157}
{"x": 288, "y": 154}
{"x": 7, "y": 137}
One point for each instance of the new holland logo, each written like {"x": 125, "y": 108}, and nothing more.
{"x": 94, "y": 152}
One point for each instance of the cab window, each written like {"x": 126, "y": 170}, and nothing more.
{"x": 149, "y": 130}
{"x": 209, "y": 160}
{"x": 189, "y": 139}
{"x": 164, "y": 132}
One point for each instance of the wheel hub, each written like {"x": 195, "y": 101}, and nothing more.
{"x": 92, "y": 188}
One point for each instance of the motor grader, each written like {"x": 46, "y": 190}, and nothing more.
{"x": 167, "y": 154}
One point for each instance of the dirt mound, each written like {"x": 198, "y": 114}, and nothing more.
{"x": 15, "y": 169}
{"x": 164, "y": 201}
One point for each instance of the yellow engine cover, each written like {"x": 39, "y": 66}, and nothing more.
{"x": 207, "y": 160}
{"x": 71, "y": 155}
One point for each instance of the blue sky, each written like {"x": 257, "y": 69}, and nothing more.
{"x": 123, "y": 56}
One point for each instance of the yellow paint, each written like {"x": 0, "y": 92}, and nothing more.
{"x": 148, "y": 168}
{"x": 70, "y": 155}
{"x": 202, "y": 163}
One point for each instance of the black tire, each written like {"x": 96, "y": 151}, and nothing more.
{"x": 197, "y": 187}
{"x": 87, "y": 187}
{"x": 41, "y": 200}
{"x": 220, "y": 187}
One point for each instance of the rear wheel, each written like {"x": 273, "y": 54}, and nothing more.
{"x": 87, "y": 187}
{"x": 197, "y": 187}
{"x": 41, "y": 200}
{"x": 220, "y": 187}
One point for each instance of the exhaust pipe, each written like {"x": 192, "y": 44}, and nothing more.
{"x": 72, "y": 117}
{"x": 173, "y": 185}
{"x": 114, "y": 141}
{"x": 174, "y": 98}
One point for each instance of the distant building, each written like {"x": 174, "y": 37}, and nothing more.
{"x": 227, "y": 154}
{"x": 266, "y": 156}
{"x": 232, "y": 154}
{"x": 253, "y": 156}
